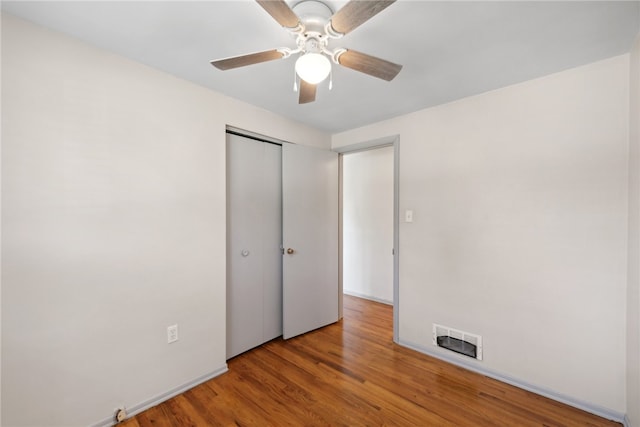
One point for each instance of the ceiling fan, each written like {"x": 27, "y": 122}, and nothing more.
{"x": 314, "y": 24}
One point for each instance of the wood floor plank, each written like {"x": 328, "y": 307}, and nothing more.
{"x": 352, "y": 374}
{"x": 154, "y": 417}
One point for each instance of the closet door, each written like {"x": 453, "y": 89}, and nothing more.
{"x": 310, "y": 218}
{"x": 254, "y": 260}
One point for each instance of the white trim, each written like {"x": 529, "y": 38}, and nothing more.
{"x": 367, "y": 145}
{"x": 369, "y": 297}
{"x": 626, "y": 422}
{"x": 143, "y": 406}
{"x": 255, "y": 135}
{"x": 559, "y": 397}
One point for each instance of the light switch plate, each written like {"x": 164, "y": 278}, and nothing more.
{"x": 408, "y": 216}
{"x": 172, "y": 334}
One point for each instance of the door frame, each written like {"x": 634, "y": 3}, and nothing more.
{"x": 387, "y": 141}
{"x": 335, "y": 209}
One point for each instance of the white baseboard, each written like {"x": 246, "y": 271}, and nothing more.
{"x": 475, "y": 367}
{"x": 149, "y": 403}
{"x": 369, "y": 297}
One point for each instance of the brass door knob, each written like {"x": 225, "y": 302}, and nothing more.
{"x": 290, "y": 251}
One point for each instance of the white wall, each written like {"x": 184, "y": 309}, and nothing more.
{"x": 0, "y": 241}
{"x": 520, "y": 228}
{"x": 113, "y": 220}
{"x": 367, "y": 179}
{"x": 633, "y": 291}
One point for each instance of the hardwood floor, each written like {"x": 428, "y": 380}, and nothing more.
{"x": 352, "y": 374}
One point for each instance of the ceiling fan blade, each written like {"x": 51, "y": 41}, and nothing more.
{"x": 368, "y": 64}
{"x": 243, "y": 60}
{"x": 307, "y": 92}
{"x": 281, "y": 12}
{"x": 356, "y": 12}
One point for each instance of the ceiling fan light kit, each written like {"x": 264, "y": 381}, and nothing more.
{"x": 313, "y": 24}
{"x": 313, "y": 67}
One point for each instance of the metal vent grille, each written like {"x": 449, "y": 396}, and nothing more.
{"x": 458, "y": 341}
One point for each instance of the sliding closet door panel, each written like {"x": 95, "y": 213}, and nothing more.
{"x": 310, "y": 230}
{"x": 254, "y": 227}
{"x": 244, "y": 272}
{"x": 271, "y": 241}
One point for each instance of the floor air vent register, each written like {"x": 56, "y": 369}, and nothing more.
{"x": 461, "y": 342}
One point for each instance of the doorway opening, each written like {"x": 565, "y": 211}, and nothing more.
{"x": 369, "y": 222}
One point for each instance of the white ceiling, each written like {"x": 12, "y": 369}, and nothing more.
{"x": 449, "y": 49}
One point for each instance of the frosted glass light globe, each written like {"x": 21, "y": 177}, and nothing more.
{"x": 313, "y": 67}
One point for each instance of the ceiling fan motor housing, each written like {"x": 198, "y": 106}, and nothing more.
{"x": 313, "y": 14}
{"x": 314, "y": 17}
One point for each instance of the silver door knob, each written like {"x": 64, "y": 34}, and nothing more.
{"x": 290, "y": 251}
